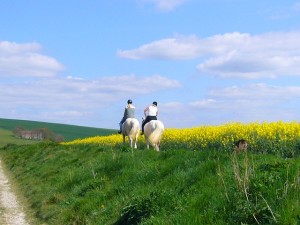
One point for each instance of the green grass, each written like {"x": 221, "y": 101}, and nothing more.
{"x": 70, "y": 132}
{"x": 88, "y": 184}
{"x": 7, "y": 137}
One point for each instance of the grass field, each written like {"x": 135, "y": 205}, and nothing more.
{"x": 7, "y": 137}
{"x": 91, "y": 185}
{"x": 195, "y": 179}
{"x": 70, "y": 132}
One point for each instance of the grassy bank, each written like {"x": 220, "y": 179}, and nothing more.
{"x": 88, "y": 184}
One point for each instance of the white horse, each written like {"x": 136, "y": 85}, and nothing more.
{"x": 131, "y": 128}
{"x": 153, "y": 132}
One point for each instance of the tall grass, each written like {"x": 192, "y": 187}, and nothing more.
{"x": 95, "y": 184}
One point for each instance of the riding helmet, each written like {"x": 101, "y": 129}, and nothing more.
{"x": 154, "y": 103}
{"x": 129, "y": 101}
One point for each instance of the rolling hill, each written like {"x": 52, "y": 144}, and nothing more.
{"x": 70, "y": 132}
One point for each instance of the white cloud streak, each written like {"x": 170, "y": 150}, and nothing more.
{"x": 79, "y": 93}
{"x": 249, "y": 103}
{"x": 296, "y": 6}
{"x": 165, "y": 5}
{"x": 258, "y": 92}
{"x": 231, "y": 55}
{"x": 178, "y": 48}
{"x": 250, "y": 97}
{"x": 30, "y": 86}
{"x": 24, "y": 60}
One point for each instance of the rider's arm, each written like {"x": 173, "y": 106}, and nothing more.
{"x": 145, "y": 111}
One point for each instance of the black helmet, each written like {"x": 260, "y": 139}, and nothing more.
{"x": 154, "y": 103}
{"x": 129, "y": 101}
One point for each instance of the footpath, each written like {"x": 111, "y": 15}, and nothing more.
{"x": 11, "y": 212}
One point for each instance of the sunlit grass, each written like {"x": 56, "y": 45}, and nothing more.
{"x": 90, "y": 184}
{"x": 197, "y": 178}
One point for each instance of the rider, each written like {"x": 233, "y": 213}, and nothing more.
{"x": 150, "y": 113}
{"x": 128, "y": 113}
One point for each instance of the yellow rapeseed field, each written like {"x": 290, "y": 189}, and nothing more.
{"x": 267, "y": 135}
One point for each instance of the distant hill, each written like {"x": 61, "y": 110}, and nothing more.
{"x": 70, "y": 132}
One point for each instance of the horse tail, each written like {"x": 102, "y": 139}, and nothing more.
{"x": 131, "y": 128}
{"x": 134, "y": 128}
{"x": 155, "y": 136}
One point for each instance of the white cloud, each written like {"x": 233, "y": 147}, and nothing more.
{"x": 69, "y": 96}
{"x": 249, "y": 103}
{"x": 283, "y": 12}
{"x": 186, "y": 47}
{"x": 24, "y": 60}
{"x": 296, "y": 6}
{"x": 69, "y": 113}
{"x": 168, "y": 49}
{"x": 11, "y": 48}
{"x": 172, "y": 106}
{"x": 257, "y": 99}
{"x": 43, "y": 95}
{"x": 136, "y": 84}
{"x": 165, "y": 5}
{"x": 258, "y": 92}
{"x": 230, "y": 55}
{"x": 204, "y": 104}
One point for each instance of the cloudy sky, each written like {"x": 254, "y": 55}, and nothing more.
{"x": 205, "y": 62}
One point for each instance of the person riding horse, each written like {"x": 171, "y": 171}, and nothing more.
{"x": 128, "y": 113}
{"x": 150, "y": 113}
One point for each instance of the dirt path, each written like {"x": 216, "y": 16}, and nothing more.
{"x": 11, "y": 212}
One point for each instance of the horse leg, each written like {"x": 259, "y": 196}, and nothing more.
{"x": 134, "y": 142}
{"x": 136, "y": 139}
{"x": 131, "y": 142}
{"x": 123, "y": 138}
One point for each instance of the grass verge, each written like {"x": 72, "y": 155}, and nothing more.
{"x": 88, "y": 184}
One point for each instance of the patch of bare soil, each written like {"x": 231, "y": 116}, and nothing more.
{"x": 11, "y": 213}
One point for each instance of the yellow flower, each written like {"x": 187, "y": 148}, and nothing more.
{"x": 208, "y": 136}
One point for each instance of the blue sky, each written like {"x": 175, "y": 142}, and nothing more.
{"x": 206, "y": 62}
